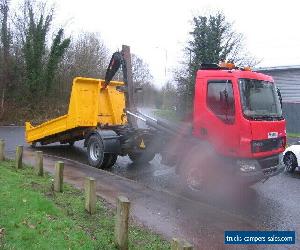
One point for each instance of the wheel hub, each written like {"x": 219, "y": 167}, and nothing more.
{"x": 195, "y": 179}
{"x": 95, "y": 151}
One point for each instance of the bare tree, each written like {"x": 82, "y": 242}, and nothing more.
{"x": 142, "y": 78}
{"x": 140, "y": 71}
{"x": 87, "y": 56}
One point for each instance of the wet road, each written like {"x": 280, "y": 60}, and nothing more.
{"x": 273, "y": 205}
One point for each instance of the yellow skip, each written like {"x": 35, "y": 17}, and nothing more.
{"x": 89, "y": 107}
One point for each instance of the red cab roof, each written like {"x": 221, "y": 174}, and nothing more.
{"x": 236, "y": 73}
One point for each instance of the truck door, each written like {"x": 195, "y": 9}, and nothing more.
{"x": 219, "y": 121}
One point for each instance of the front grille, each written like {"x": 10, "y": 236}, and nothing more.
{"x": 269, "y": 162}
{"x": 266, "y": 145}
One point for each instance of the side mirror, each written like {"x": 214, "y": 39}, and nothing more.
{"x": 224, "y": 97}
{"x": 280, "y": 97}
{"x": 226, "y": 106}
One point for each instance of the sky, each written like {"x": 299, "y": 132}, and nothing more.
{"x": 158, "y": 30}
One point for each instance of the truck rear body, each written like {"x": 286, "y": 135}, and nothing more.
{"x": 88, "y": 108}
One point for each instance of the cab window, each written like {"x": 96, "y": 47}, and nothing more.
{"x": 220, "y": 99}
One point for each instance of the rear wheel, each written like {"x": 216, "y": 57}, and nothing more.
{"x": 109, "y": 160}
{"x": 95, "y": 151}
{"x": 290, "y": 162}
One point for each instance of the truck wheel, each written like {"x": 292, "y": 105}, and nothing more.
{"x": 194, "y": 177}
{"x": 95, "y": 151}
{"x": 144, "y": 157}
{"x": 109, "y": 160}
{"x": 195, "y": 168}
{"x": 290, "y": 162}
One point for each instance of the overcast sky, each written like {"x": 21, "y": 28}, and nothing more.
{"x": 159, "y": 29}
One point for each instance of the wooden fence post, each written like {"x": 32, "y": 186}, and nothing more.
{"x": 59, "y": 176}
{"x": 2, "y": 150}
{"x": 121, "y": 224}
{"x": 90, "y": 195}
{"x": 19, "y": 154}
{"x": 186, "y": 246}
{"x": 177, "y": 244}
{"x": 39, "y": 163}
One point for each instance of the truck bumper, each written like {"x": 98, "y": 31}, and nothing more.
{"x": 253, "y": 171}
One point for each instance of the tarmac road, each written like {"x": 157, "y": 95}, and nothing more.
{"x": 163, "y": 204}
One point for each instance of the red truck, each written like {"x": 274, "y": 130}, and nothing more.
{"x": 239, "y": 113}
{"x": 238, "y": 129}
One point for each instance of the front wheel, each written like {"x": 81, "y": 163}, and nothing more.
{"x": 290, "y": 162}
{"x": 195, "y": 179}
{"x": 197, "y": 167}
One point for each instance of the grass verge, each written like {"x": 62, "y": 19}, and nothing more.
{"x": 32, "y": 216}
{"x": 293, "y": 135}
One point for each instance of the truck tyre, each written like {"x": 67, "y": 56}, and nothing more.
{"x": 196, "y": 168}
{"x": 290, "y": 162}
{"x": 109, "y": 160}
{"x": 141, "y": 158}
{"x": 95, "y": 151}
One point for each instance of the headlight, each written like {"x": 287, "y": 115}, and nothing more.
{"x": 247, "y": 165}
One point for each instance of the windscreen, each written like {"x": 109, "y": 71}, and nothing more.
{"x": 259, "y": 99}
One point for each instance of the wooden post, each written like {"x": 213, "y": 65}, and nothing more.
{"x": 186, "y": 246}
{"x": 19, "y": 154}
{"x": 39, "y": 163}
{"x": 121, "y": 224}
{"x": 2, "y": 149}
{"x": 177, "y": 244}
{"x": 90, "y": 195}
{"x": 59, "y": 176}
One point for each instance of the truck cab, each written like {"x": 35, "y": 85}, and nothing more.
{"x": 238, "y": 112}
